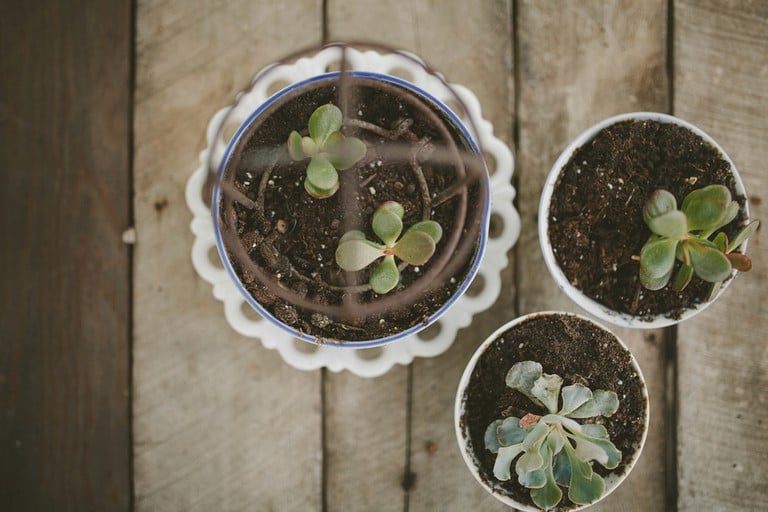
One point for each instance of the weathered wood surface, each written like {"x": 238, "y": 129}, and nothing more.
{"x": 721, "y": 84}
{"x": 220, "y": 423}
{"x": 578, "y": 64}
{"x": 64, "y": 271}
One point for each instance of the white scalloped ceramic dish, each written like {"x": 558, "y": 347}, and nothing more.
{"x": 363, "y": 362}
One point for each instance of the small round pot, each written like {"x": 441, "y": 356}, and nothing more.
{"x": 299, "y": 318}
{"x": 589, "y": 304}
{"x": 482, "y": 396}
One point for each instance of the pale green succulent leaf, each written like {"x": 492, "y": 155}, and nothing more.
{"x": 657, "y": 259}
{"x": 385, "y": 276}
{"x": 601, "y": 450}
{"x": 561, "y": 468}
{"x": 709, "y": 264}
{"x": 585, "y": 486}
{"x": 535, "y": 437}
{"x": 354, "y": 234}
{"x": 715, "y": 193}
{"x": 347, "y": 153}
{"x": 670, "y": 225}
{"x": 556, "y": 441}
{"x": 491, "y": 438}
{"x": 549, "y": 494}
{"x": 522, "y": 376}
{"x": 594, "y": 430}
{"x": 309, "y": 147}
{"x": 319, "y": 193}
{"x": 660, "y": 203}
{"x": 325, "y": 120}
{"x": 721, "y": 241}
{"x": 602, "y": 403}
{"x": 294, "y": 146}
{"x": 502, "y": 467}
{"x": 509, "y": 432}
{"x": 683, "y": 277}
{"x": 430, "y": 227}
{"x": 321, "y": 174}
{"x": 387, "y": 225}
{"x": 574, "y": 396}
{"x": 547, "y": 390}
{"x": 706, "y": 208}
{"x": 414, "y": 248}
{"x": 532, "y": 479}
{"x": 742, "y": 235}
{"x": 353, "y": 255}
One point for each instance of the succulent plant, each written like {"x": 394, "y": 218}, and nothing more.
{"x": 554, "y": 449}
{"x": 684, "y": 235}
{"x": 415, "y": 247}
{"x": 327, "y": 148}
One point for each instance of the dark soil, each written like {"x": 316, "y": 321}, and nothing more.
{"x": 293, "y": 236}
{"x": 577, "y": 351}
{"x": 596, "y": 223}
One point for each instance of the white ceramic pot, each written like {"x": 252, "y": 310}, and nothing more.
{"x": 463, "y": 435}
{"x": 590, "y": 305}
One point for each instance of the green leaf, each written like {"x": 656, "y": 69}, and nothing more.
{"x": 562, "y": 469}
{"x": 547, "y": 389}
{"x": 429, "y": 227}
{"x": 742, "y": 235}
{"x": 502, "y": 466}
{"x": 532, "y": 479}
{"x": 349, "y": 152}
{"x": 308, "y": 147}
{"x": 522, "y": 376}
{"x": 294, "y": 146}
{"x": 385, "y": 276}
{"x": 549, "y": 494}
{"x": 509, "y": 432}
{"x": 352, "y": 235}
{"x": 393, "y": 207}
{"x": 595, "y": 448}
{"x": 602, "y": 403}
{"x": 657, "y": 258}
{"x": 321, "y": 174}
{"x": 353, "y": 255}
{"x": 319, "y": 193}
{"x": 683, "y": 277}
{"x": 585, "y": 486}
{"x": 594, "y": 430}
{"x": 325, "y": 120}
{"x": 574, "y": 396}
{"x": 670, "y": 225}
{"x": 658, "y": 204}
{"x": 387, "y": 225}
{"x": 706, "y": 207}
{"x": 491, "y": 438}
{"x": 709, "y": 264}
{"x": 536, "y": 436}
{"x": 414, "y": 248}
{"x": 721, "y": 241}
{"x": 556, "y": 441}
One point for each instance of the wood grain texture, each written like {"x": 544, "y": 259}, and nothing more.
{"x": 220, "y": 423}
{"x": 721, "y": 84}
{"x": 578, "y": 64}
{"x": 65, "y": 293}
{"x": 470, "y": 43}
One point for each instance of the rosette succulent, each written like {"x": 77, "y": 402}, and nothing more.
{"x": 415, "y": 247}
{"x": 327, "y": 148}
{"x": 684, "y": 235}
{"x": 554, "y": 450}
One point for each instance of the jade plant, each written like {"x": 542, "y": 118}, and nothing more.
{"x": 414, "y": 247}
{"x": 554, "y": 449}
{"x": 684, "y": 235}
{"x": 327, "y": 148}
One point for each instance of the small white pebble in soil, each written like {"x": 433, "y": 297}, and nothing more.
{"x": 521, "y": 345}
{"x": 554, "y": 219}
{"x": 272, "y": 214}
{"x": 614, "y": 267}
{"x": 619, "y": 382}
{"x": 453, "y": 280}
{"x": 583, "y": 162}
{"x": 360, "y": 113}
{"x": 271, "y": 182}
{"x": 578, "y": 171}
{"x": 378, "y": 163}
{"x": 254, "y": 245}
{"x": 381, "y": 321}
{"x": 372, "y": 191}
{"x": 621, "y": 181}
{"x": 279, "y": 275}
{"x": 322, "y": 246}
{"x": 610, "y": 187}
{"x": 295, "y": 183}
{"x": 319, "y": 257}
{"x": 246, "y": 183}
{"x": 692, "y": 180}
{"x": 416, "y": 270}
{"x": 249, "y": 175}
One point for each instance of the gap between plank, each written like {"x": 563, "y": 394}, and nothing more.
{"x": 408, "y": 477}
{"x": 670, "y": 415}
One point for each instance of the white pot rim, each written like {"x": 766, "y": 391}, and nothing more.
{"x": 611, "y": 482}
{"x": 588, "y": 304}
{"x": 457, "y": 124}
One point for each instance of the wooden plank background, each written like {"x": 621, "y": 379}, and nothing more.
{"x": 219, "y": 422}
{"x": 65, "y": 285}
